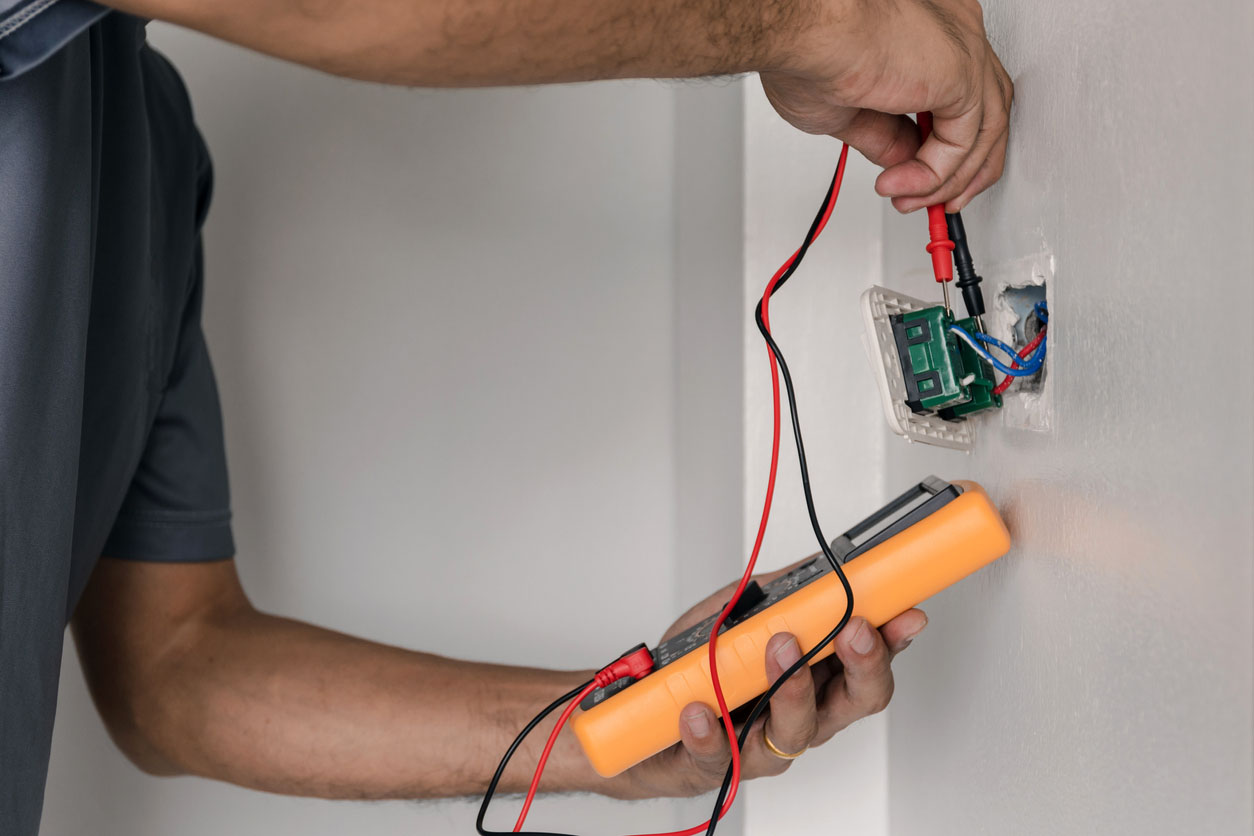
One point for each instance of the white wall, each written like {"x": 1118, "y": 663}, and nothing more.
{"x": 816, "y": 324}
{"x": 1098, "y": 680}
{"x": 443, "y": 328}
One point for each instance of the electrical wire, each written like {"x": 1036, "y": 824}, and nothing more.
{"x": 1031, "y": 365}
{"x": 633, "y": 664}
{"x": 780, "y": 367}
{"x": 1042, "y": 313}
{"x": 548, "y": 749}
{"x": 964, "y": 266}
{"x": 1023, "y": 355}
{"x": 569, "y": 696}
{"x": 731, "y": 779}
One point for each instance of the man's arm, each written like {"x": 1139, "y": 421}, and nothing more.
{"x": 849, "y": 68}
{"x": 190, "y": 678}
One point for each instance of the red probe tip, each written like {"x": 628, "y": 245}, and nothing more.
{"x": 940, "y": 247}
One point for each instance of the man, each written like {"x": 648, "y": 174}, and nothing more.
{"x": 114, "y": 509}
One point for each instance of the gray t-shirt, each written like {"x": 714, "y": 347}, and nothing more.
{"x": 110, "y": 429}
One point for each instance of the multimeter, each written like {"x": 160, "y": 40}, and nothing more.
{"x": 930, "y": 537}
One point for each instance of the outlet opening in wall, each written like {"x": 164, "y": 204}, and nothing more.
{"x": 1018, "y": 302}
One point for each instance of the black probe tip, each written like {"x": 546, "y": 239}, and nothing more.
{"x": 968, "y": 280}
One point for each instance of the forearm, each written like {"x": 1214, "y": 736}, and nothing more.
{"x": 189, "y": 678}
{"x": 286, "y": 707}
{"x": 434, "y": 43}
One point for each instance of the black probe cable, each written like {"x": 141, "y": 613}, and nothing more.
{"x": 509, "y": 753}
{"x": 765, "y": 699}
{"x": 968, "y": 280}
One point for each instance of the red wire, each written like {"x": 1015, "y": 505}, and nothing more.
{"x": 766, "y": 514}
{"x": 744, "y": 580}
{"x": 548, "y": 749}
{"x": 1023, "y": 355}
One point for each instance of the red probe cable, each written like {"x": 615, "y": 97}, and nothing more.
{"x": 548, "y": 749}
{"x": 766, "y": 505}
{"x": 1024, "y": 353}
{"x": 635, "y": 664}
{"x": 744, "y": 580}
{"x": 939, "y": 247}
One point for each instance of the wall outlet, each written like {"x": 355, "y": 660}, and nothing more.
{"x": 1018, "y": 285}
{"x": 1021, "y": 301}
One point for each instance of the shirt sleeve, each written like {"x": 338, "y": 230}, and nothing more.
{"x": 32, "y": 30}
{"x": 178, "y": 508}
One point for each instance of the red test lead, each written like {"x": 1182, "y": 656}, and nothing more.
{"x": 635, "y": 663}
{"x": 939, "y": 247}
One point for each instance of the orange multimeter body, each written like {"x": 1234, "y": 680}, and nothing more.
{"x": 925, "y": 540}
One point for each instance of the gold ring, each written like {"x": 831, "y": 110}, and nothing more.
{"x": 776, "y": 751}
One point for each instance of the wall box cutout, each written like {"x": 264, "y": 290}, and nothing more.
{"x": 1020, "y": 301}
{"x": 1017, "y": 286}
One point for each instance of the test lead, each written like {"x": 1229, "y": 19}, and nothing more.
{"x": 939, "y": 247}
{"x": 968, "y": 280}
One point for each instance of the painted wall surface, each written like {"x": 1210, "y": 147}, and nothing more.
{"x": 815, "y": 321}
{"x": 443, "y": 328}
{"x": 1098, "y": 680}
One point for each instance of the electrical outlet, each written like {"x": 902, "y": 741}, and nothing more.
{"x": 1029, "y": 403}
{"x": 1021, "y": 301}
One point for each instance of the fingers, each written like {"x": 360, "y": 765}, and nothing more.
{"x": 857, "y": 683}
{"x": 965, "y": 153}
{"x": 899, "y": 632}
{"x": 868, "y": 679}
{"x": 793, "y": 719}
{"x": 885, "y": 139}
{"x": 792, "y": 723}
{"x": 866, "y": 684}
{"x": 995, "y": 163}
{"x": 705, "y": 742}
{"x": 938, "y": 160}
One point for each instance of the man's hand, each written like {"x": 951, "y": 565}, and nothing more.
{"x": 807, "y": 711}
{"x": 854, "y": 77}
{"x": 191, "y": 679}
{"x": 849, "y": 68}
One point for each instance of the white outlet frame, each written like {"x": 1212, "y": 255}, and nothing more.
{"x": 878, "y": 304}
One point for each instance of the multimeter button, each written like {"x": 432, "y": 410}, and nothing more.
{"x": 747, "y": 650}
{"x": 750, "y": 598}
{"x": 681, "y": 692}
{"x": 777, "y": 625}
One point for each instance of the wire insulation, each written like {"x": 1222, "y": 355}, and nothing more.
{"x": 1041, "y": 309}
{"x": 731, "y": 779}
{"x": 1031, "y": 365}
{"x": 548, "y": 749}
{"x": 509, "y": 753}
{"x": 1023, "y": 355}
{"x": 780, "y": 368}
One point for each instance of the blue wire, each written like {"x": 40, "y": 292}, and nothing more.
{"x": 1029, "y": 366}
{"x": 1042, "y": 311}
